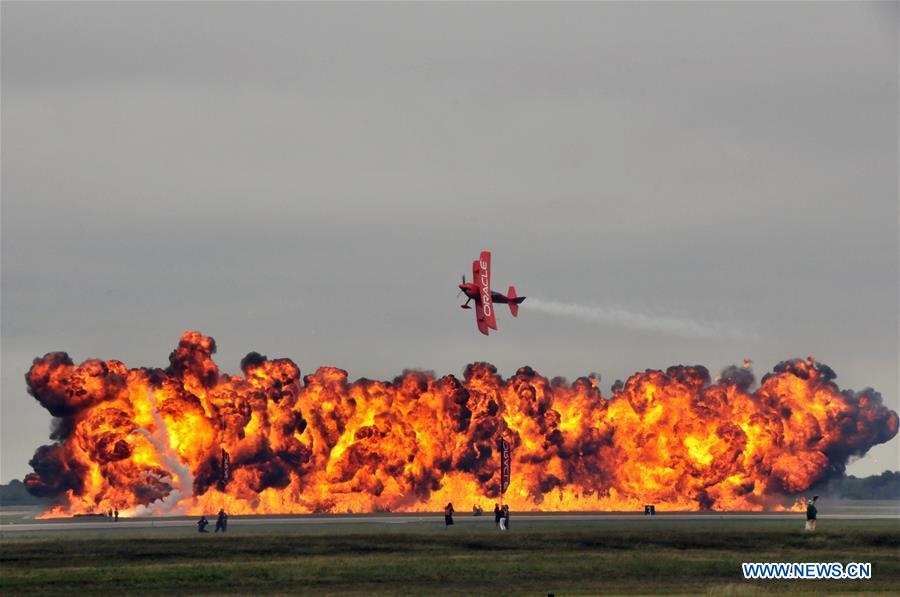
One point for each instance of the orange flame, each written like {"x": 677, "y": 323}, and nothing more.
{"x": 190, "y": 440}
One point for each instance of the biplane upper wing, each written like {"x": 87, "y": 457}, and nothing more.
{"x": 479, "y": 312}
{"x": 485, "y": 299}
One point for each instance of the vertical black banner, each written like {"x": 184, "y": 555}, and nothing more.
{"x": 504, "y": 465}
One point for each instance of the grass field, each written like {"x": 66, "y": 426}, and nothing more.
{"x": 535, "y": 557}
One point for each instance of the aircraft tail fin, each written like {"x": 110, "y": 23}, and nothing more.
{"x": 514, "y": 301}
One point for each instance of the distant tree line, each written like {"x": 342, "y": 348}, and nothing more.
{"x": 885, "y": 486}
{"x": 15, "y": 494}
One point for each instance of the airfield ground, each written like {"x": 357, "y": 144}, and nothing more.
{"x": 417, "y": 555}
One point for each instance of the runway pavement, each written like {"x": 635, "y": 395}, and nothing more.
{"x": 466, "y": 519}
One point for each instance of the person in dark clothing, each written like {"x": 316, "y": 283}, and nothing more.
{"x": 201, "y": 525}
{"x": 498, "y": 513}
{"x": 811, "y": 513}
{"x": 222, "y": 521}
{"x": 109, "y": 514}
{"x": 116, "y": 515}
{"x": 448, "y": 514}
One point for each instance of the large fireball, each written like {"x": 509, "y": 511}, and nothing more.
{"x": 189, "y": 439}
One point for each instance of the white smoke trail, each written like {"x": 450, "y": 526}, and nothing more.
{"x": 182, "y": 479}
{"x": 634, "y": 320}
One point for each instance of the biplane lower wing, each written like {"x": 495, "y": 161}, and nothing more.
{"x": 479, "y": 319}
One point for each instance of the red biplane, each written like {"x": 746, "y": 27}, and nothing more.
{"x": 479, "y": 290}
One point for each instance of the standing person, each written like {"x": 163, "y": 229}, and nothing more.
{"x": 448, "y": 514}
{"x": 504, "y": 517}
{"x": 201, "y": 525}
{"x": 109, "y": 515}
{"x": 811, "y": 513}
{"x": 498, "y": 514}
{"x": 222, "y": 521}
{"x": 116, "y": 514}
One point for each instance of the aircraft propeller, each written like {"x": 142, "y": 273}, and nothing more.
{"x": 460, "y": 290}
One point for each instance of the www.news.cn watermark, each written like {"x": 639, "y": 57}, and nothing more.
{"x": 807, "y": 570}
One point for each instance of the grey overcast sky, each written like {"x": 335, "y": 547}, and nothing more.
{"x": 692, "y": 183}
